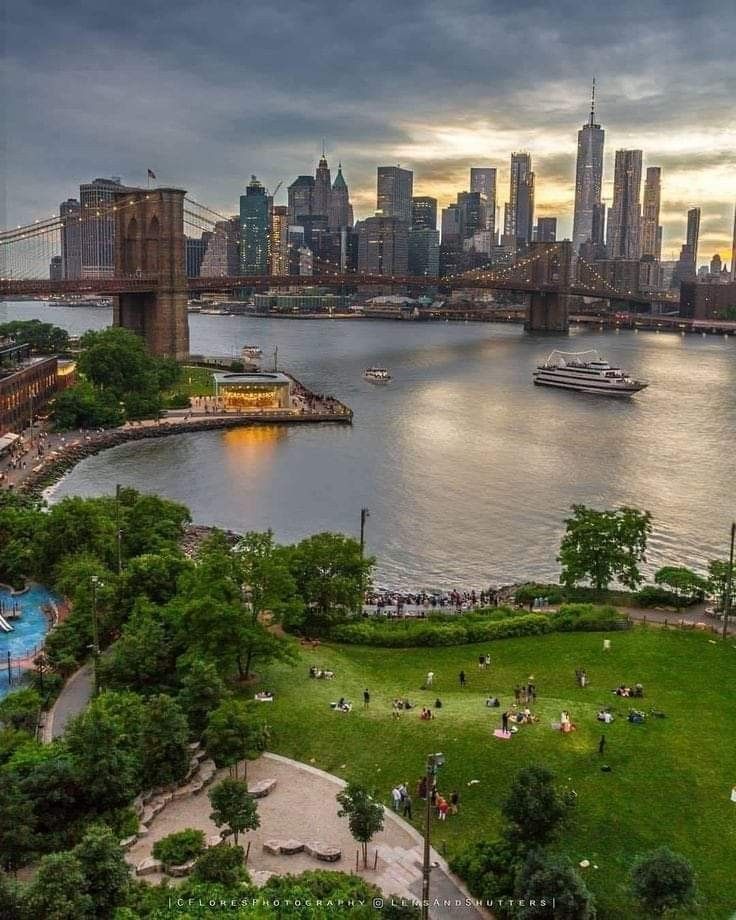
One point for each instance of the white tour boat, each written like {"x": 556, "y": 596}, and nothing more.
{"x": 377, "y": 375}
{"x": 578, "y": 371}
{"x": 251, "y": 351}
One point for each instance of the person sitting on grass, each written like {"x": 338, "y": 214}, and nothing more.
{"x": 637, "y": 716}
{"x": 605, "y": 715}
{"x": 438, "y": 703}
{"x": 342, "y": 705}
{"x": 426, "y": 714}
{"x": 622, "y": 690}
{"x": 638, "y": 691}
{"x": 493, "y": 702}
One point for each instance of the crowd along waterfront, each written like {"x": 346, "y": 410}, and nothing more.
{"x": 468, "y": 469}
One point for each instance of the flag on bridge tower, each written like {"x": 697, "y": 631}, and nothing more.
{"x": 151, "y": 174}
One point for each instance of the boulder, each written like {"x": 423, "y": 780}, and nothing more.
{"x": 291, "y": 846}
{"x": 323, "y": 851}
{"x": 149, "y": 866}
{"x": 182, "y": 792}
{"x": 262, "y": 788}
{"x": 214, "y": 840}
{"x": 273, "y": 847}
{"x": 196, "y": 786}
{"x": 148, "y": 815}
{"x": 142, "y": 831}
{"x": 138, "y": 805}
{"x": 181, "y": 870}
{"x": 128, "y": 842}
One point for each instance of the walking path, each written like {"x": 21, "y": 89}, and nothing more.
{"x": 303, "y": 806}
{"x": 72, "y": 700}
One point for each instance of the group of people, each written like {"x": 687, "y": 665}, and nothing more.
{"x": 426, "y": 714}
{"x": 636, "y": 691}
{"x": 527, "y": 692}
{"x": 443, "y": 805}
{"x": 321, "y": 673}
{"x": 385, "y": 601}
{"x": 265, "y": 696}
{"x": 398, "y": 706}
{"x": 342, "y": 705}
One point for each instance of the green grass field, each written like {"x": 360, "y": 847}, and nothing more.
{"x": 671, "y": 778}
{"x": 195, "y": 381}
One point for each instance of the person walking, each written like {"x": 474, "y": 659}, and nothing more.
{"x": 366, "y": 698}
{"x": 505, "y": 722}
{"x": 462, "y": 678}
{"x": 430, "y": 678}
{"x": 396, "y": 798}
{"x": 406, "y": 811}
{"x": 454, "y": 803}
{"x": 602, "y": 744}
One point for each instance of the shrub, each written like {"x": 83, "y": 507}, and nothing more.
{"x": 654, "y": 596}
{"x": 178, "y": 848}
{"x": 178, "y": 401}
{"x": 662, "y": 881}
{"x": 488, "y": 867}
{"x": 222, "y": 863}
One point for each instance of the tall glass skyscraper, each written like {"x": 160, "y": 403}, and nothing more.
{"x": 651, "y": 232}
{"x": 519, "y": 216}
{"x": 483, "y": 180}
{"x": 255, "y": 220}
{"x": 394, "y": 192}
{"x": 588, "y": 179}
{"x": 623, "y": 240}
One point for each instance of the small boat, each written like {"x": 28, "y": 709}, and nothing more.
{"x": 251, "y": 351}
{"x": 376, "y": 375}
{"x": 571, "y": 371}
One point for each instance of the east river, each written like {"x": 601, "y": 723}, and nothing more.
{"x": 468, "y": 469}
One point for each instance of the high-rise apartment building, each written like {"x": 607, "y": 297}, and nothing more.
{"x": 424, "y": 213}
{"x": 424, "y": 252}
{"x": 546, "y": 229}
{"x": 483, "y": 180}
{"x": 383, "y": 246}
{"x": 340, "y": 210}
{"x": 255, "y": 222}
{"x": 624, "y": 216}
{"x": 394, "y": 190}
{"x": 651, "y": 232}
{"x": 96, "y": 200}
{"x": 693, "y": 233}
{"x": 588, "y": 179}
{"x": 71, "y": 239}
{"x": 301, "y": 198}
{"x": 519, "y": 216}
{"x": 221, "y": 255}
{"x": 280, "y": 240}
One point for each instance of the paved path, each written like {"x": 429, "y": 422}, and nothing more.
{"x": 303, "y": 806}
{"x": 75, "y": 695}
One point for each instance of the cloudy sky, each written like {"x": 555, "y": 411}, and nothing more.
{"x": 206, "y": 93}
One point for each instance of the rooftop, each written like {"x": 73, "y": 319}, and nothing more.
{"x": 225, "y": 377}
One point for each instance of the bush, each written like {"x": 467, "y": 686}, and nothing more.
{"x": 662, "y": 881}
{"x": 180, "y": 847}
{"x": 178, "y": 401}
{"x": 654, "y": 596}
{"x": 587, "y": 618}
{"x": 222, "y": 863}
{"x": 488, "y": 867}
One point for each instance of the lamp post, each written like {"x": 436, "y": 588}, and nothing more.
{"x": 434, "y": 762}
{"x": 729, "y": 583}
{"x": 364, "y": 515}
{"x": 96, "y": 581}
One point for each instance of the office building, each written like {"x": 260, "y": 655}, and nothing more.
{"x": 322, "y": 194}
{"x": 424, "y": 213}
{"x": 451, "y": 227}
{"x": 394, "y": 189}
{"x": 255, "y": 222}
{"x": 340, "y": 210}
{"x": 196, "y": 249}
{"x": 693, "y": 234}
{"x": 301, "y": 197}
{"x": 280, "y": 240}
{"x": 470, "y": 214}
{"x": 96, "y": 200}
{"x": 651, "y": 232}
{"x": 702, "y": 300}
{"x": 221, "y": 254}
{"x": 483, "y": 181}
{"x": 623, "y": 240}
{"x": 71, "y": 239}
{"x": 424, "y": 252}
{"x": 546, "y": 229}
{"x": 56, "y": 269}
{"x": 588, "y": 180}
{"x": 519, "y": 215}
{"x": 383, "y": 246}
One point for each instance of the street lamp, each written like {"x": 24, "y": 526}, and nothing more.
{"x": 434, "y": 762}
{"x": 729, "y": 583}
{"x": 364, "y": 515}
{"x": 96, "y": 582}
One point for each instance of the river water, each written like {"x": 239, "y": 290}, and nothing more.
{"x": 468, "y": 469}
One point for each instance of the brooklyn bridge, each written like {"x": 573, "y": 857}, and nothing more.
{"x": 150, "y": 287}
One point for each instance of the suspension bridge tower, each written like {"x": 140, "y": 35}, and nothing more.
{"x": 550, "y": 269}
{"x": 150, "y": 246}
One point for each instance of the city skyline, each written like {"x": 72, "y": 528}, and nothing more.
{"x": 216, "y": 125}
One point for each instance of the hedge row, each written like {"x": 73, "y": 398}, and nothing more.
{"x": 470, "y": 628}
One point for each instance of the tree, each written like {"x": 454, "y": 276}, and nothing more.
{"x": 84, "y": 406}
{"x": 662, "y": 880}
{"x": 77, "y": 527}
{"x": 21, "y": 709}
{"x": 364, "y": 814}
{"x": 221, "y": 864}
{"x": 544, "y": 878}
{"x": 533, "y": 807}
{"x": 17, "y": 822}
{"x": 718, "y": 580}
{"x": 50, "y": 782}
{"x": 21, "y": 523}
{"x": 330, "y": 576}
{"x": 116, "y": 359}
{"x": 235, "y": 732}
{"x": 164, "y": 738}
{"x": 153, "y": 525}
{"x": 603, "y": 545}
{"x": 58, "y": 890}
{"x": 142, "y": 659}
{"x": 685, "y": 584}
{"x": 44, "y": 338}
{"x": 11, "y": 905}
{"x": 234, "y": 807}
{"x": 202, "y": 691}
{"x": 106, "y": 874}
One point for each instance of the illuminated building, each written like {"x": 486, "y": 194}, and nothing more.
{"x": 254, "y": 228}
{"x": 383, "y": 246}
{"x": 624, "y": 216}
{"x": 651, "y": 232}
{"x": 97, "y": 243}
{"x": 519, "y": 216}
{"x": 253, "y": 392}
{"x": 26, "y": 384}
{"x": 394, "y": 189}
{"x": 483, "y": 180}
{"x": 588, "y": 180}
{"x": 280, "y": 241}
{"x": 71, "y": 238}
{"x": 424, "y": 213}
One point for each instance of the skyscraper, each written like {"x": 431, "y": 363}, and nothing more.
{"x": 340, "y": 211}
{"x": 519, "y": 216}
{"x": 301, "y": 197}
{"x": 470, "y": 213}
{"x": 255, "y": 221}
{"x": 280, "y": 241}
{"x": 424, "y": 251}
{"x": 195, "y": 250}
{"x": 424, "y": 213}
{"x": 483, "y": 180}
{"x": 383, "y": 246}
{"x": 71, "y": 239}
{"x": 588, "y": 179}
{"x": 693, "y": 234}
{"x": 733, "y": 249}
{"x": 546, "y": 229}
{"x": 624, "y": 216}
{"x": 322, "y": 188}
{"x": 394, "y": 192}
{"x": 651, "y": 232}
{"x": 96, "y": 200}
{"x": 451, "y": 226}
{"x": 56, "y": 269}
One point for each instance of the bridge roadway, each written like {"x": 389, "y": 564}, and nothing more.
{"x": 140, "y": 284}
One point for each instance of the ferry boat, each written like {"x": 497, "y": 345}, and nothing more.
{"x": 376, "y": 375}
{"x": 251, "y": 351}
{"x": 585, "y": 372}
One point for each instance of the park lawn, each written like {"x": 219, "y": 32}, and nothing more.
{"x": 671, "y": 778}
{"x": 194, "y": 381}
